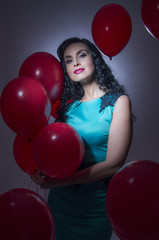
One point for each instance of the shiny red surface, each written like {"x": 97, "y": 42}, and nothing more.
{"x": 46, "y": 69}
{"x": 58, "y": 150}
{"x": 25, "y": 215}
{"x": 25, "y": 106}
{"x": 133, "y": 201}
{"x": 111, "y": 29}
{"x": 150, "y": 16}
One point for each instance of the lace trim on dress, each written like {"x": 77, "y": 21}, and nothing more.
{"x": 109, "y": 99}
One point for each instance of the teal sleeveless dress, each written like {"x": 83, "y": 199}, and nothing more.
{"x": 80, "y": 210}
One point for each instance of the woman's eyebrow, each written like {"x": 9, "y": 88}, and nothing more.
{"x": 82, "y": 51}
{"x": 77, "y": 53}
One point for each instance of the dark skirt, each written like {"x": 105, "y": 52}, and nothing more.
{"x": 80, "y": 212}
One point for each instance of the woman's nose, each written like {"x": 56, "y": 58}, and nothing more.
{"x": 76, "y": 63}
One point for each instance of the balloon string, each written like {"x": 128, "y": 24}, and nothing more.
{"x": 37, "y": 189}
{"x": 110, "y": 58}
{"x": 30, "y": 184}
{"x": 45, "y": 196}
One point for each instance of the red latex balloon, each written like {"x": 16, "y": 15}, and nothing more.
{"x": 23, "y": 154}
{"x": 25, "y": 106}
{"x": 54, "y": 108}
{"x": 150, "y": 16}
{"x": 47, "y": 69}
{"x": 133, "y": 201}
{"x": 58, "y": 150}
{"x": 57, "y": 106}
{"x": 25, "y": 215}
{"x": 111, "y": 29}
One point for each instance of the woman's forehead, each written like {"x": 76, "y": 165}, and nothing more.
{"x": 74, "y": 48}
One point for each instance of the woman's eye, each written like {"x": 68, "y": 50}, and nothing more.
{"x": 68, "y": 61}
{"x": 82, "y": 55}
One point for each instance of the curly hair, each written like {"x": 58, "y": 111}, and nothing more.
{"x": 102, "y": 76}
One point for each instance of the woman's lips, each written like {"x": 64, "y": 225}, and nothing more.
{"x": 79, "y": 70}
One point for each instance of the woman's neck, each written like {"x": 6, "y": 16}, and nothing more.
{"x": 91, "y": 91}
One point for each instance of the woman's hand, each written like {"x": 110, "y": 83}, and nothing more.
{"x": 46, "y": 182}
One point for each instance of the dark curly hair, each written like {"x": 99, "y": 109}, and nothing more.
{"x": 102, "y": 76}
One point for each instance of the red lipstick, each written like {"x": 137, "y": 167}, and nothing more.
{"x": 79, "y": 70}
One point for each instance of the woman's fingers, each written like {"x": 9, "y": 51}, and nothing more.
{"x": 41, "y": 179}
{"x": 38, "y": 177}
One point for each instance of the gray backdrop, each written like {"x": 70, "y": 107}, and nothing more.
{"x": 31, "y": 26}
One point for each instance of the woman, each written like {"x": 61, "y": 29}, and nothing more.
{"x": 100, "y": 111}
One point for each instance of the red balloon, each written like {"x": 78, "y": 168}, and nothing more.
{"x": 47, "y": 69}
{"x": 133, "y": 201}
{"x": 58, "y": 150}
{"x": 25, "y": 215}
{"x": 25, "y": 106}
{"x": 150, "y": 16}
{"x": 57, "y": 106}
{"x": 54, "y": 108}
{"x": 111, "y": 29}
{"x": 23, "y": 154}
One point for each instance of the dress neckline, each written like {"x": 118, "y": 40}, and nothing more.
{"x": 92, "y": 99}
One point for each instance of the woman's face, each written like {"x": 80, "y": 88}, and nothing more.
{"x": 79, "y": 62}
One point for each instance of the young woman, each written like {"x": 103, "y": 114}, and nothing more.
{"x": 100, "y": 111}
